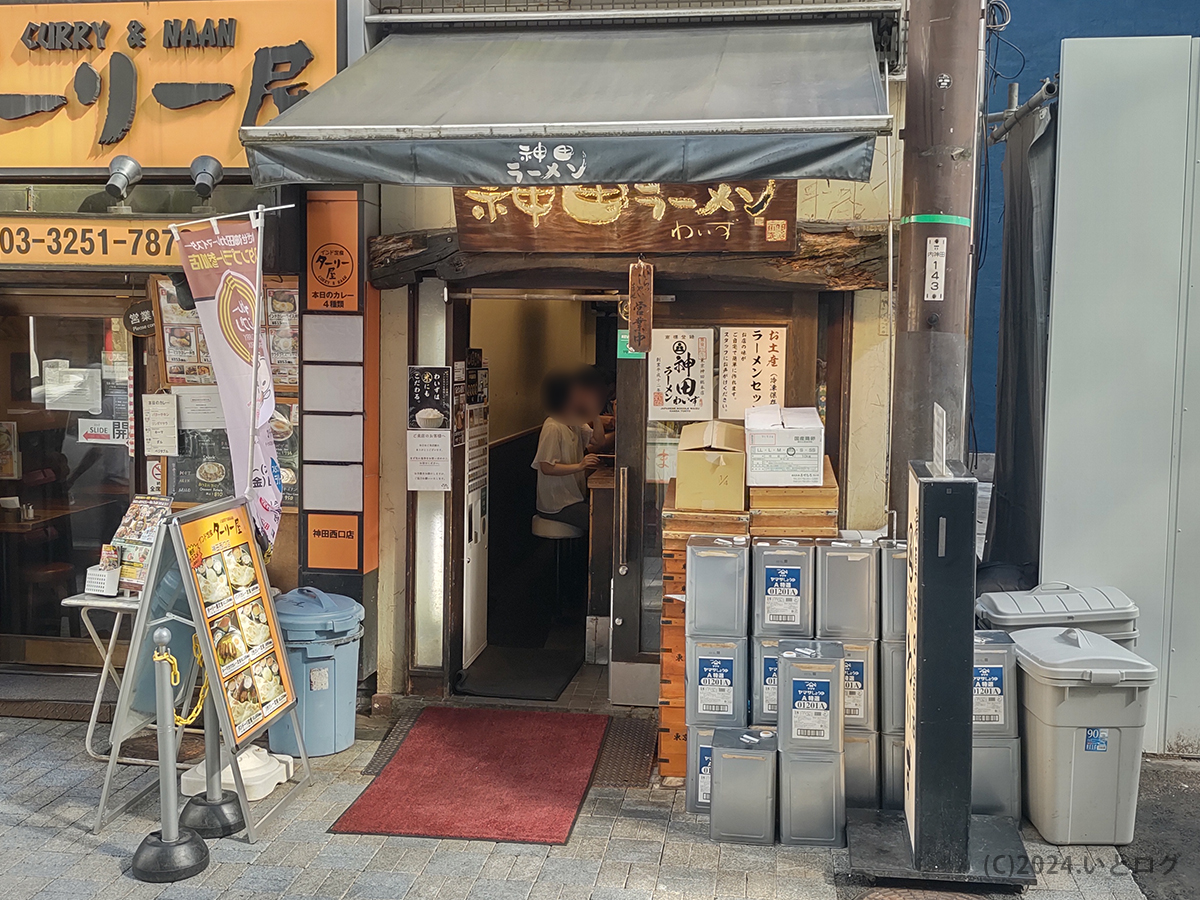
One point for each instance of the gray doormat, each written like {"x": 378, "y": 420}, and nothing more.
{"x": 66, "y": 697}
{"x": 628, "y": 754}
{"x": 626, "y": 757}
{"x": 55, "y": 687}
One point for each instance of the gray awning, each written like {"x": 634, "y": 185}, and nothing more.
{"x": 687, "y": 104}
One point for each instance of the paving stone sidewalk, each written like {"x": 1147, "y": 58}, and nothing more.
{"x": 626, "y": 845}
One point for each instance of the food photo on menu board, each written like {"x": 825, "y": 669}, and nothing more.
{"x": 240, "y": 622}
{"x": 203, "y": 470}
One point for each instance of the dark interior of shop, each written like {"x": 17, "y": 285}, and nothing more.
{"x": 538, "y": 588}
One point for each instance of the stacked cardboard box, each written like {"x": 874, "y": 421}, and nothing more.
{"x": 796, "y": 511}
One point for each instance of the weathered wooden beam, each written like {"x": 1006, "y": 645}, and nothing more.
{"x": 835, "y": 260}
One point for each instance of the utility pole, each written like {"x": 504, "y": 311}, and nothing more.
{"x": 942, "y": 131}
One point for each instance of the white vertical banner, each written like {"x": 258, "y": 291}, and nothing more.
{"x": 753, "y": 363}
{"x": 223, "y": 266}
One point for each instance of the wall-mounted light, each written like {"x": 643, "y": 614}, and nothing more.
{"x": 123, "y": 173}
{"x": 206, "y": 174}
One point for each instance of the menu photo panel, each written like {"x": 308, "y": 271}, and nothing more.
{"x": 244, "y": 650}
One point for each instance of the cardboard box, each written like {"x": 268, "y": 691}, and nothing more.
{"x": 785, "y": 447}
{"x": 710, "y": 469}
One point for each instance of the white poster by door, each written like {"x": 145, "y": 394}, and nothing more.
{"x": 680, "y": 375}
{"x": 429, "y": 459}
{"x": 160, "y": 421}
{"x": 752, "y": 369}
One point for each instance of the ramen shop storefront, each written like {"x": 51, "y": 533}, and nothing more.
{"x": 541, "y": 119}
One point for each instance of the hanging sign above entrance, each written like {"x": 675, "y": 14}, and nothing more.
{"x": 641, "y": 305}
{"x": 163, "y": 82}
{"x": 743, "y": 217}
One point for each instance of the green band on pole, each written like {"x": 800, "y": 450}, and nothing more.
{"x": 936, "y": 220}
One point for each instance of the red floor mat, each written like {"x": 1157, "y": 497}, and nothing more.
{"x": 483, "y": 774}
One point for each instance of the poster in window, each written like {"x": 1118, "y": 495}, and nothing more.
{"x": 752, "y": 367}
{"x": 429, "y": 397}
{"x": 240, "y": 626}
{"x": 203, "y": 470}
{"x": 680, "y": 375}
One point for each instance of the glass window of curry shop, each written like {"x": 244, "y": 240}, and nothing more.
{"x": 69, "y": 376}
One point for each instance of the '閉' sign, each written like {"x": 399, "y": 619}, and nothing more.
{"x": 163, "y": 82}
{"x": 743, "y": 216}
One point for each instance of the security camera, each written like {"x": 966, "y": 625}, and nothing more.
{"x": 206, "y": 174}
{"x": 123, "y": 173}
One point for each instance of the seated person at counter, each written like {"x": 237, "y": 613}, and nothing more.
{"x": 561, "y": 461}
{"x": 592, "y": 398}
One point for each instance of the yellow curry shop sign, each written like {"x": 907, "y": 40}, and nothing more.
{"x": 162, "y": 82}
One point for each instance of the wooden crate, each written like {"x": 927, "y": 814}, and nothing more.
{"x": 723, "y": 524}
{"x": 672, "y": 742}
{"x": 675, "y": 584}
{"x": 673, "y": 565}
{"x": 831, "y": 531}
{"x": 698, "y": 521}
{"x": 671, "y": 648}
{"x": 670, "y": 690}
{"x": 824, "y": 497}
{"x": 673, "y": 606}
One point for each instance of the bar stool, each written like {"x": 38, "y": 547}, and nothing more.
{"x": 558, "y": 532}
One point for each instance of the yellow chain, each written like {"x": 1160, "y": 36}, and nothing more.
{"x": 180, "y": 721}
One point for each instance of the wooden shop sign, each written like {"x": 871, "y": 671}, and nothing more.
{"x": 742, "y": 217}
{"x": 162, "y": 81}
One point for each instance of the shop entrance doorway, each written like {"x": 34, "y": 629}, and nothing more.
{"x": 552, "y": 599}
{"x": 531, "y": 597}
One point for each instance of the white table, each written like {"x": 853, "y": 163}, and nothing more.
{"x": 126, "y": 605}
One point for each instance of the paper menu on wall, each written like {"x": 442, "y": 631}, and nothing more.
{"x": 752, "y": 369}
{"x": 160, "y": 425}
{"x": 199, "y": 407}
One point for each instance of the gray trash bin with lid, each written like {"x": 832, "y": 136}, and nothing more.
{"x": 322, "y": 633}
{"x": 1083, "y": 714}
{"x": 1101, "y": 610}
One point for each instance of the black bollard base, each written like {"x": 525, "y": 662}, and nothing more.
{"x": 157, "y": 861}
{"x": 213, "y": 819}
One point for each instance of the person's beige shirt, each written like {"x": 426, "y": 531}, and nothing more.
{"x": 560, "y": 443}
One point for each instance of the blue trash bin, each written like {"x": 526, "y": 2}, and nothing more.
{"x": 322, "y": 633}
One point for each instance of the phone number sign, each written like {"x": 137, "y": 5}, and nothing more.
{"x": 27, "y": 241}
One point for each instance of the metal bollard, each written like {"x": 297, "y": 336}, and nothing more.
{"x": 217, "y": 813}
{"x": 173, "y": 853}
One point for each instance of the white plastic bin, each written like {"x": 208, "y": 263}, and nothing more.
{"x": 1101, "y": 610}
{"x": 1083, "y": 713}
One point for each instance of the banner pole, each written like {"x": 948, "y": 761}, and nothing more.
{"x": 256, "y": 219}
